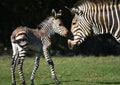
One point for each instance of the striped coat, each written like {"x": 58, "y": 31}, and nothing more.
{"x": 36, "y": 41}
{"x": 95, "y": 17}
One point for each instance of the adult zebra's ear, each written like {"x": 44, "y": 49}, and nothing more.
{"x": 70, "y": 10}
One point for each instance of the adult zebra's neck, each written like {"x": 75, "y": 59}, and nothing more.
{"x": 103, "y": 15}
{"x": 97, "y": 18}
{"x": 80, "y": 2}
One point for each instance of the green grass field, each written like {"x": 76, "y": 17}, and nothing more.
{"x": 75, "y": 70}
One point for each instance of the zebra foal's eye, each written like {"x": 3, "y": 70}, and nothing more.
{"x": 60, "y": 24}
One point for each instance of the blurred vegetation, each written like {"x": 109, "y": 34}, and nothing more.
{"x": 30, "y": 13}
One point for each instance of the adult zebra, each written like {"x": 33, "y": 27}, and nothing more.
{"x": 95, "y": 17}
{"x": 36, "y": 40}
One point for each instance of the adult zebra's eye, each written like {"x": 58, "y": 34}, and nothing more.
{"x": 74, "y": 23}
{"x": 81, "y": 13}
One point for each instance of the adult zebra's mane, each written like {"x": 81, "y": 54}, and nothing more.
{"x": 80, "y": 2}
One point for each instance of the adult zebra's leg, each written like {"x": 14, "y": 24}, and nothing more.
{"x": 36, "y": 65}
{"x": 13, "y": 62}
{"x": 51, "y": 65}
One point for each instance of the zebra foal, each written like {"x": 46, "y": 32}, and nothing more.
{"x": 95, "y": 17}
{"x": 36, "y": 40}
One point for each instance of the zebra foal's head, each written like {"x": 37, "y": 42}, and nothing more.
{"x": 57, "y": 24}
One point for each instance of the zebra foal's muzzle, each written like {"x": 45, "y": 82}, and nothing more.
{"x": 65, "y": 33}
{"x": 68, "y": 34}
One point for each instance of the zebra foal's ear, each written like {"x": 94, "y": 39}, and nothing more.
{"x": 54, "y": 13}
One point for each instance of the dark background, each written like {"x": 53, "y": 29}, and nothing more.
{"x": 14, "y": 13}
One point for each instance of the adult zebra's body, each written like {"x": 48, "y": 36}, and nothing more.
{"x": 36, "y": 40}
{"x": 95, "y": 17}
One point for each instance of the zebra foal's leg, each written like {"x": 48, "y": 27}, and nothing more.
{"x": 36, "y": 65}
{"x": 13, "y": 65}
{"x": 13, "y": 62}
{"x": 51, "y": 65}
{"x": 20, "y": 70}
{"x": 22, "y": 53}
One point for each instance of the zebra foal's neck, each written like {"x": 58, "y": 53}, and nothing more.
{"x": 46, "y": 25}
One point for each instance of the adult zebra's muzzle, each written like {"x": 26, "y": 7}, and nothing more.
{"x": 71, "y": 44}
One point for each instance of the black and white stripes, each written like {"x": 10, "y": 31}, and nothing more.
{"x": 95, "y": 17}
{"x": 24, "y": 39}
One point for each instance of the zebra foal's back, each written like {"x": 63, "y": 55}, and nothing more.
{"x": 28, "y": 37}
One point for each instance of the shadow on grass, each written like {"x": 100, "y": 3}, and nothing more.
{"x": 108, "y": 82}
{"x": 65, "y": 81}
{"x": 77, "y": 80}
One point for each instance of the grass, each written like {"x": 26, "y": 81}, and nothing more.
{"x": 76, "y": 70}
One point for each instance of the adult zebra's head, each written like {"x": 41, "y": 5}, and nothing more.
{"x": 57, "y": 24}
{"x": 75, "y": 39}
{"x": 80, "y": 27}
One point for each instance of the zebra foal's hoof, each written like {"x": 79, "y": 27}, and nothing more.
{"x": 57, "y": 82}
{"x": 31, "y": 83}
{"x": 13, "y": 83}
{"x": 23, "y": 83}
